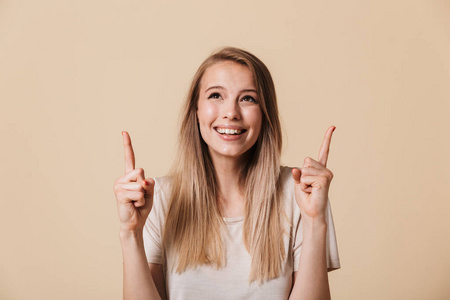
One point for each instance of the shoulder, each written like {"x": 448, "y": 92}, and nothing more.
{"x": 162, "y": 184}
{"x": 288, "y": 191}
{"x": 287, "y": 182}
{"x": 161, "y": 192}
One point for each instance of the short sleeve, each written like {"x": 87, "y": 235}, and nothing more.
{"x": 152, "y": 233}
{"x": 333, "y": 262}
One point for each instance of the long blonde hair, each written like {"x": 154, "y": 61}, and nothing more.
{"x": 194, "y": 227}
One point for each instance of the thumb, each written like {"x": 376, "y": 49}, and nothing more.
{"x": 148, "y": 185}
{"x": 296, "y": 174}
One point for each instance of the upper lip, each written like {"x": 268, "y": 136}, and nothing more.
{"x": 229, "y": 127}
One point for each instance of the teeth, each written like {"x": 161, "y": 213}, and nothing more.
{"x": 228, "y": 131}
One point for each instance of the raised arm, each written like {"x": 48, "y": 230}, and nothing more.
{"x": 134, "y": 196}
{"x": 311, "y": 193}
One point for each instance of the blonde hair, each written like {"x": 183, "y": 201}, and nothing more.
{"x": 194, "y": 227}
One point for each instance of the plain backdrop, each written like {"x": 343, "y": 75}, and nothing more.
{"x": 74, "y": 74}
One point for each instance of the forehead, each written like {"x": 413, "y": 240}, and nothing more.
{"x": 229, "y": 75}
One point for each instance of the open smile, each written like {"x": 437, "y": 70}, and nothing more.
{"x": 229, "y": 131}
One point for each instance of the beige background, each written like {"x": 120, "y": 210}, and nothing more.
{"x": 74, "y": 74}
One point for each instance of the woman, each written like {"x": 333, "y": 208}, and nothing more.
{"x": 225, "y": 223}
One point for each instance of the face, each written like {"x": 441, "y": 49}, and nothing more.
{"x": 228, "y": 110}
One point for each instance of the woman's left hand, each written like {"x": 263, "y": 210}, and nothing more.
{"x": 312, "y": 183}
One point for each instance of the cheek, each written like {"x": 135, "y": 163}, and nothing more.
{"x": 254, "y": 119}
{"x": 206, "y": 112}
{"x": 206, "y": 116}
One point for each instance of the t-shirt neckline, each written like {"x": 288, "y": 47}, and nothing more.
{"x": 233, "y": 219}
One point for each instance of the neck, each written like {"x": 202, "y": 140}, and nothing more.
{"x": 230, "y": 199}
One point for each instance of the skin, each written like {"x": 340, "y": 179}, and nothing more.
{"x": 134, "y": 192}
{"x": 312, "y": 183}
{"x": 228, "y": 97}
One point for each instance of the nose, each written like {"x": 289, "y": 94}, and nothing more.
{"x": 231, "y": 110}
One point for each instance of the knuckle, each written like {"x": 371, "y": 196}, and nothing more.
{"x": 119, "y": 195}
{"x": 308, "y": 162}
{"x": 328, "y": 175}
{"x": 323, "y": 182}
{"x": 118, "y": 181}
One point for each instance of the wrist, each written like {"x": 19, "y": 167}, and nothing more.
{"x": 316, "y": 227}
{"x": 127, "y": 234}
{"x": 316, "y": 222}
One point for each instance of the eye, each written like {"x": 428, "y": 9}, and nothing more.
{"x": 214, "y": 96}
{"x": 249, "y": 99}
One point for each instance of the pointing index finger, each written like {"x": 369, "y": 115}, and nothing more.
{"x": 325, "y": 148}
{"x": 129, "y": 153}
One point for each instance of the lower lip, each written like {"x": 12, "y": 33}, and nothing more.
{"x": 230, "y": 137}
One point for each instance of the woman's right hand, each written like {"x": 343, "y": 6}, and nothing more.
{"x": 134, "y": 192}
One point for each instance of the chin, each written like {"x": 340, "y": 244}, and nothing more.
{"x": 234, "y": 154}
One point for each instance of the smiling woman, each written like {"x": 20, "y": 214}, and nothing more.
{"x": 228, "y": 222}
{"x": 228, "y": 113}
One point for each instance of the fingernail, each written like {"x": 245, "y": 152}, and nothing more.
{"x": 145, "y": 182}
{"x": 334, "y": 129}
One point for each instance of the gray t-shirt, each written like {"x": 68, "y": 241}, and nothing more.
{"x": 231, "y": 281}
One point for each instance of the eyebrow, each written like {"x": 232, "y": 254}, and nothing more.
{"x": 221, "y": 87}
